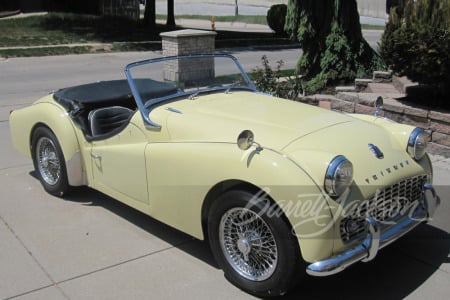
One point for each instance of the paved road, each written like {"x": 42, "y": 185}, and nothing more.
{"x": 92, "y": 247}
{"x": 22, "y": 79}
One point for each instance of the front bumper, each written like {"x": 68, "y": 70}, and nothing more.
{"x": 376, "y": 240}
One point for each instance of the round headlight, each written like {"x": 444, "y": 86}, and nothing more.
{"x": 339, "y": 176}
{"x": 417, "y": 143}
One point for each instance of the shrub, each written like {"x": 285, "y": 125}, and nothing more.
{"x": 276, "y": 18}
{"x": 265, "y": 78}
{"x": 268, "y": 80}
{"x": 416, "y": 42}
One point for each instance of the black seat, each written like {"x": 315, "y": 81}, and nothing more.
{"x": 108, "y": 120}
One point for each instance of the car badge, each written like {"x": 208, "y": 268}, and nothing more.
{"x": 376, "y": 151}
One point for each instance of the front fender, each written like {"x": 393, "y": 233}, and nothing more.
{"x": 46, "y": 112}
{"x": 182, "y": 174}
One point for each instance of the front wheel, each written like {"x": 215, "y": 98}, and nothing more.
{"x": 49, "y": 163}
{"x": 256, "y": 249}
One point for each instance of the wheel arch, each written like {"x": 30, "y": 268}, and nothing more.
{"x": 226, "y": 186}
{"x": 311, "y": 247}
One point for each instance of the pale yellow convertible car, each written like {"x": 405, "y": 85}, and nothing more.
{"x": 280, "y": 189}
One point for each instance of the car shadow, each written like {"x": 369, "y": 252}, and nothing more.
{"x": 396, "y": 272}
{"x": 197, "y": 248}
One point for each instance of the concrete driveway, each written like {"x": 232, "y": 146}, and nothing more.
{"x": 90, "y": 246}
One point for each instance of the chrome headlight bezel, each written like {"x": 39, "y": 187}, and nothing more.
{"x": 339, "y": 176}
{"x": 417, "y": 143}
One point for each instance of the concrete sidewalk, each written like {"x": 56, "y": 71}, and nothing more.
{"x": 226, "y": 26}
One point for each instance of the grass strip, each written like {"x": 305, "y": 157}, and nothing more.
{"x": 29, "y": 52}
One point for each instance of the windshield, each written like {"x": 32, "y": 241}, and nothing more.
{"x": 156, "y": 80}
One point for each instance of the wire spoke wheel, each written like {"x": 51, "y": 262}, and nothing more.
{"x": 256, "y": 250}
{"x": 48, "y": 163}
{"x": 248, "y": 244}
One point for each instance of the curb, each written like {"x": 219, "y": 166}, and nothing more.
{"x": 5, "y": 14}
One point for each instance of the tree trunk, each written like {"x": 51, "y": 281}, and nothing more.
{"x": 170, "y": 13}
{"x": 9, "y": 5}
{"x": 150, "y": 13}
{"x": 330, "y": 35}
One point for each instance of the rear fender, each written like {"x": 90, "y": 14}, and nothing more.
{"x": 24, "y": 121}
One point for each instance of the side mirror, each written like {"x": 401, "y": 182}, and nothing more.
{"x": 245, "y": 140}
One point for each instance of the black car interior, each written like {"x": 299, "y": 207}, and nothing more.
{"x": 103, "y": 109}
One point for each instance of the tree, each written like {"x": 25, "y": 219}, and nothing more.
{"x": 330, "y": 35}
{"x": 170, "y": 13}
{"x": 276, "y": 18}
{"x": 9, "y": 5}
{"x": 150, "y": 13}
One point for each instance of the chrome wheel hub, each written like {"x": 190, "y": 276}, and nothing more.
{"x": 248, "y": 244}
{"x": 244, "y": 246}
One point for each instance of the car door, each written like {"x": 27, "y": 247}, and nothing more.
{"x": 118, "y": 166}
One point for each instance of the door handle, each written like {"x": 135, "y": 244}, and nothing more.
{"x": 96, "y": 156}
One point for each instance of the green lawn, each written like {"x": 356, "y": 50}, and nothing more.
{"x": 56, "y": 28}
{"x": 123, "y": 34}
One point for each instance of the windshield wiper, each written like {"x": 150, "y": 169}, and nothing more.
{"x": 237, "y": 86}
{"x": 234, "y": 85}
{"x": 194, "y": 95}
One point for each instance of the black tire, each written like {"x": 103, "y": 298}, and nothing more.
{"x": 254, "y": 247}
{"x": 49, "y": 162}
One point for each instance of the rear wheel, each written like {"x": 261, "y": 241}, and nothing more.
{"x": 257, "y": 251}
{"x": 49, "y": 163}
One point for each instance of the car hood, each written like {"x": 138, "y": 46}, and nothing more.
{"x": 220, "y": 117}
{"x": 309, "y": 136}
{"x": 379, "y": 156}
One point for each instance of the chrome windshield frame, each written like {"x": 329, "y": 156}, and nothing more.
{"x": 145, "y": 107}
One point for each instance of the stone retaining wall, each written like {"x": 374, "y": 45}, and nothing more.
{"x": 436, "y": 123}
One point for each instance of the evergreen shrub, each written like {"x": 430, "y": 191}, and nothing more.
{"x": 416, "y": 44}
{"x": 276, "y": 17}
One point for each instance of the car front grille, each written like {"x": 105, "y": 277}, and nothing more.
{"x": 386, "y": 206}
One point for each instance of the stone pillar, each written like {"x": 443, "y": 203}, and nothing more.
{"x": 188, "y": 42}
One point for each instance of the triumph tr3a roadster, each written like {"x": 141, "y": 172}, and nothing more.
{"x": 280, "y": 189}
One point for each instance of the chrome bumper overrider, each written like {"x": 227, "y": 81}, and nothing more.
{"x": 375, "y": 240}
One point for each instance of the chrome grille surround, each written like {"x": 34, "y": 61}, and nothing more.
{"x": 386, "y": 207}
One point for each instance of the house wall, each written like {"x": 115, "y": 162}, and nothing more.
{"x": 31, "y": 5}
{"x": 124, "y": 8}
{"x": 372, "y": 8}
